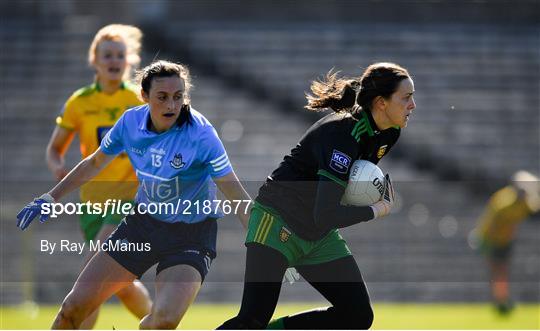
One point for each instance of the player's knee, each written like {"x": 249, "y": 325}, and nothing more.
{"x": 72, "y": 308}
{"x": 357, "y": 317}
{"x": 360, "y": 318}
{"x": 366, "y": 320}
{"x": 128, "y": 292}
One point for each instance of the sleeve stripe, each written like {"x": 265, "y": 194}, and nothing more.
{"x": 220, "y": 163}
{"x": 222, "y": 167}
{"x": 219, "y": 159}
{"x": 107, "y": 141}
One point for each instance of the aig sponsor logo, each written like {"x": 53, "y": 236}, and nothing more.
{"x": 340, "y": 162}
{"x": 158, "y": 189}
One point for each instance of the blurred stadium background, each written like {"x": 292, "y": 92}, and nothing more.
{"x": 476, "y": 66}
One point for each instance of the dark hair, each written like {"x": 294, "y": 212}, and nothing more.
{"x": 342, "y": 94}
{"x": 162, "y": 68}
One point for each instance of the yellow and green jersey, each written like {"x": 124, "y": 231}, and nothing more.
{"x": 505, "y": 210}
{"x": 92, "y": 113}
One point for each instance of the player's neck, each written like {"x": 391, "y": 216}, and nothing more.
{"x": 381, "y": 120}
{"x": 109, "y": 86}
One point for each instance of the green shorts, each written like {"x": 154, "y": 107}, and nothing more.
{"x": 494, "y": 251}
{"x": 266, "y": 227}
{"x": 91, "y": 224}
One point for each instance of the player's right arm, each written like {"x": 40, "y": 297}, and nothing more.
{"x": 111, "y": 145}
{"x": 335, "y": 156}
{"x": 83, "y": 172}
{"x": 59, "y": 143}
{"x": 87, "y": 169}
{"x": 67, "y": 124}
{"x": 331, "y": 214}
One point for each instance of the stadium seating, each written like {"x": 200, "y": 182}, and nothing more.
{"x": 476, "y": 120}
{"x": 477, "y": 87}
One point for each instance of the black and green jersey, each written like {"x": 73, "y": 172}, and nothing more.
{"x": 327, "y": 149}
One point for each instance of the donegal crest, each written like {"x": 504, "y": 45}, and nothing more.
{"x": 284, "y": 234}
{"x": 176, "y": 162}
{"x": 381, "y": 151}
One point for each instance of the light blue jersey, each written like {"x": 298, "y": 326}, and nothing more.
{"x": 173, "y": 167}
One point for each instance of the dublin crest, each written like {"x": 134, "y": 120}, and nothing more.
{"x": 176, "y": 162}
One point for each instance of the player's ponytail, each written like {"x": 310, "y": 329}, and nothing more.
{"x": 338, "y": 94}
{"x": 348, "y": 95}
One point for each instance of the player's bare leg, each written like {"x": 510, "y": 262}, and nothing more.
{"x": 500, "y": 287}
{"x": 176, "y": 288}
{"x": 136, "y": 299}
{"x": 100, "y": 279}
{"x": 134, "y": 296}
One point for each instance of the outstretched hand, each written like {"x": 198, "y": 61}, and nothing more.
{"x": 32, "y": 210}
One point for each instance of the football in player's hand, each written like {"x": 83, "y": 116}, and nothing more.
{"x": 365, "y": 186}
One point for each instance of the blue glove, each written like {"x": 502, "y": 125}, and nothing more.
{"x": 31, "y": 210}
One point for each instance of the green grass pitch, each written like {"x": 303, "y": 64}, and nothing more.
{"x": 387, "y": 316}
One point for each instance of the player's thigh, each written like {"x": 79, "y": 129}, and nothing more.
{"x": 106, "y": 231}
{"x": 97, "y": 226}
{"x": 100, "y": 279}
{"x": 176, "y": 289}
{"x": 101, "y": 236}
{"x": 339, "y": 281}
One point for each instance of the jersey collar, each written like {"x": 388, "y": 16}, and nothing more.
{"x": 143, "y": 126}
{"x": 366, "y": 115}
{"x": 98, "y": 87}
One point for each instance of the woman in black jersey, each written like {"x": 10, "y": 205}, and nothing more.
{"x": 297, "y": 213}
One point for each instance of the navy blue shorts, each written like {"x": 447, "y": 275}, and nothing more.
{"x": 152, "y": 241}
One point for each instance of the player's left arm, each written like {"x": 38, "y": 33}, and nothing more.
{"x": 234, "y": 190}
{"x": 222, "y": 173}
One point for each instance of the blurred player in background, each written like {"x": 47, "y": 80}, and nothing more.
{"x": 178, "y": 157}
{"x": 90, "y": 112}
{"x": 297, "y": 213}
{"x": 497, "y": 226}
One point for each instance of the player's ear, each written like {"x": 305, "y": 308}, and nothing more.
{"x": 144, "y": 96}
{"x": 379, "y": 102}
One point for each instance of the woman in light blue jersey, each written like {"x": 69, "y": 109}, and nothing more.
{"x": 180, "y": 162}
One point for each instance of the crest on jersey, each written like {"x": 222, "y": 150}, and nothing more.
{"x": 284, "y": 234}
{"x": 381, "y": 151}
{"x": 177, "y": 162}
